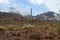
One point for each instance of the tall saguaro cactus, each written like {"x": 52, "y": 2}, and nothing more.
{"x": 31, "y": 13}
{"x": 31, "y": 16}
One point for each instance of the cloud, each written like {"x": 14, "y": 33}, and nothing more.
{"x": 25, "y": 10}
{"x": 4, "y": 1}
{"x": 52, "y": 5}
{"x": 5, "y": 5}
{"x": 7, "y": 2}
{"x": 35, "y": 2}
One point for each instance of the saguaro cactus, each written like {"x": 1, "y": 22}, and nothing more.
{"x": 31, "y": 16}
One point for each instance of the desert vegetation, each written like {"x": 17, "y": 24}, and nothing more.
{"x": 16, "y": 27}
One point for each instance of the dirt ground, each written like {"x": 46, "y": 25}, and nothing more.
{"x": 39, "y": 34}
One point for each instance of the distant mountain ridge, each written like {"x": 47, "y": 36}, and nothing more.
{"x": 44, "y": 16}
{"x": 9, "y": 16}
{"x": 16, "y": 17}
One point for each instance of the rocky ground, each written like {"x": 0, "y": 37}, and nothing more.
{"x": 40, "y": 34}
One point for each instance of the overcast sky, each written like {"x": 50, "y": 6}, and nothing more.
{"x": 23, "y": 6}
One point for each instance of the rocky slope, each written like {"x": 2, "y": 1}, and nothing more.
{"x": 15, "y": 27}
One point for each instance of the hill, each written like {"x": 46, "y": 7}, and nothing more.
{"x": 16, "y": 27}
{"x": 46, "y": 16}
{"x": 10, "y": 18}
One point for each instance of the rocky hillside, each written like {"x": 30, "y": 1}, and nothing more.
{"x": 16, "y": 27}
{"x": 10, "y": 18}
{"x": 46, "y": 16}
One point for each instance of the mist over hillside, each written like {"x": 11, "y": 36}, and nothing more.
{"x": 42, "y": 16}
{"x": 46, "y": 16}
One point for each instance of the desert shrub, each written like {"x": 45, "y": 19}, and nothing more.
{"x": 34, "y": 35}
{"x": 58, "y": 29}
{"x": 28, "y": 27}
{"x": 1, "y": 29}
{"x": 31, "y": 21}
{"x": 42, "y": 27}
{"x": 13, "y": 28}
